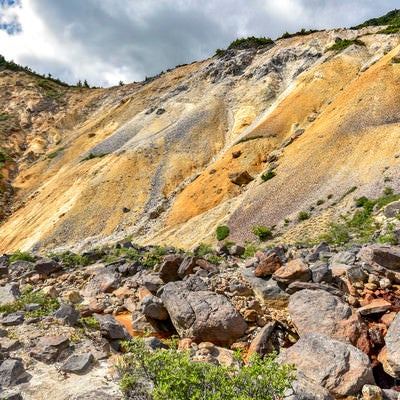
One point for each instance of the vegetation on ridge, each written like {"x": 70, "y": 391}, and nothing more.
{"x": 343, "y": 44}
{"x": 391, "y": 18}
{"x": 247, "y": 43}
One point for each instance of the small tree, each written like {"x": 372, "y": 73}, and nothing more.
{"x": 262, "y": 232}
{"x": 222, "y": 232}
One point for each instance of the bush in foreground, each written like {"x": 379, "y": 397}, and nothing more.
{"x": 172, "y": 374}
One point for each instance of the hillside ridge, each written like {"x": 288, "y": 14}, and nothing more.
{"x": 158, "y": 161}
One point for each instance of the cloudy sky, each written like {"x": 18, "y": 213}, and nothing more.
{"x": 105, "y": 41}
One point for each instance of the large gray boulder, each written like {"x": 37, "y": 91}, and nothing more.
{"x": 337, "y": 366}
{"x": 317, "y": 311}
{"x": 267, "y": 290}
{"x": 392, "y": 340}
{"x": 105, "y": 281}
{"x": 202, "y": 315}
{"x": 304, "y": 388}
{"x": 9, "y": 293}
{"x": 384, "y": 255}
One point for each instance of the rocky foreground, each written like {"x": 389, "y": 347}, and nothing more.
{"x": 332, "y": 313}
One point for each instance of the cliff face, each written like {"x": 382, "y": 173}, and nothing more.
{"x": 156, "y": 160}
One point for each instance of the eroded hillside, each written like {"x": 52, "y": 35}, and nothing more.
{"x": 157, "y": 160}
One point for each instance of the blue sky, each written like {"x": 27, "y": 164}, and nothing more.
{"x": 105, "y": 41}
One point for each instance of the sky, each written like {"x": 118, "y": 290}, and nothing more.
{"x": 107, "y": 41}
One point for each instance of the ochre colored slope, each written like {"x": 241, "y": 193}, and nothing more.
{"x": 153, "y": 160}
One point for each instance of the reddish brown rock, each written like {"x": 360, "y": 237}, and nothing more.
{"x": 376, "y": 306}
{"x": 268, "y": 265}
{"x": 295, "y": 270}
{"x": 240, "y": 178}
{"x": 206, "y": 265}
{"x": 169, "y": 268}
{"x": 261, "y": 344}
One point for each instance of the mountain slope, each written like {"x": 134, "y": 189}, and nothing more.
{"x": 154, "y": 160}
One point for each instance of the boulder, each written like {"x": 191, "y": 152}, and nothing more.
{"x": 385, "y": 255}
{"x": 337, "y": 366}
{"x": 47, "y": 266}
{"x": 10, "y": 395}
{"x": 169, "y": 268}
{"x": 268, "y": 265}
{"x": 78, "y": 363}
{"x": 187, "y": 266}
{"x": 237, "y": 250}
{"x": 10, "y": 371}
{"x": 372, "y": 392}
{"x": 375, "y": 307}
{"x": 294, "y": 271}
{"x": 152, "y": 307}
{"x": 317, "y": 311}
{"x": 111, "y": 329}
{"x": 262, "y": 344}
{"x": 9, "y": 293}
{"x": 296, "y": 286}
{"x": 106, "y": 281}
{"x": 202, "y": 315}
{"x": 344, "y": 257}
{"x": 13, "y": 319}
{"x": 392, "y": 210}
{"x": 240, "y": 178}
{"x": 4, "y": 270}
{"x": 315, "y": 255}
{"x": 392, "y": 340}
{"x": 268, "y": 291}
{"x": 67, "y": 314}
{"x": 152, "y": 282}
{"x": 49, "y": 348}
{"x": 320, "y": 272}
{"x": 304, "y": 388}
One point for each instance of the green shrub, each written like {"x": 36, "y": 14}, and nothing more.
{"x": 222, "y": 232}
{"x": 338, "y": 234}
{"x": 28, "y": 296}
{"x": 390, "y": 29}
{"x": 343, "y": 44}
{"x": 204, "y": 249}
{"x": 91, "y": 156}
{"x": 303, "y": 215}
{"x": 320, "y": 202}
{"x": 262, "y": 232}
{"x": 71, "y": 260}
{"x": 391, "y": 18}
{"x": 4, "y": 117}
{"x": 248, "y": 139}
{"x": 21, "y": 256}
{"x": 89, "y": 322}
{"x": 388, "y": 191}
{"x": 251, "y": 41}
{"x": 269, "y": 175}
{"x": 171, "y": 374}
{"x": 249, "y": 250}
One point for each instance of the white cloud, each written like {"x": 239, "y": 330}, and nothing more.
{"x": 105, "y": 41}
